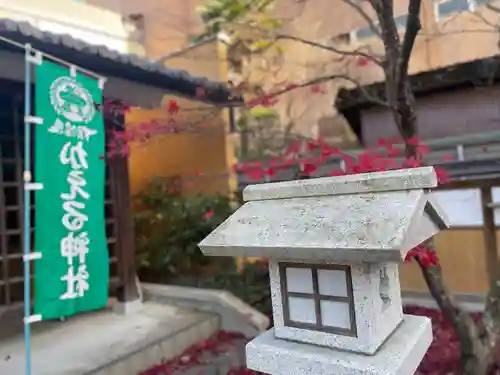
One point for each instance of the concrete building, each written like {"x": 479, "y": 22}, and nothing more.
{"x": 453, "y": 31}
{"x": 78, "y": 20}
{"x": 168, "y": 25}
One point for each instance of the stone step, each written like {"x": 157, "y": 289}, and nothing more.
{"x": 105, "y": 343}
{"x": 218, "y": 364}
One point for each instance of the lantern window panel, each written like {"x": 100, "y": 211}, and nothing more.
{"x": 318, "y": 297}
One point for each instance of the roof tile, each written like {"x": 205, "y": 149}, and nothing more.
{"x": 109, "y": 62}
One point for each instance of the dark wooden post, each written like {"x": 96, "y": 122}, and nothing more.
{"x": 125, "y": 231}
{"x": 490, "y": 238}
{"x": 123, "y": 216}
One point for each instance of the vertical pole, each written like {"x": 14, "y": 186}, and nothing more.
{"x": 490, "y": 238}
{"x": 122, "y": 211}
{"x": 27, "y": 210}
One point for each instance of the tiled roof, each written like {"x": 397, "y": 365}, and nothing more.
{"x": 183, "y": 50}
{"x": 472, "y": 73}
{"x": 111, "y": 63}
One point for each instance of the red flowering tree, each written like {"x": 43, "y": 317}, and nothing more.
{"x": 307, "y": 156}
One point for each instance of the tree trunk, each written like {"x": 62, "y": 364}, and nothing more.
{"x": 476, "y": 356}
{"x": 480, "y": 362}
{"x": 244, "y": 143}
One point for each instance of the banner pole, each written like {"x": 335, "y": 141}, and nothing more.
{"x": 27, "y": 210}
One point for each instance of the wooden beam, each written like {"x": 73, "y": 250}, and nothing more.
{"x": 490, "y": 238}
{"x": 125, "y": 231}
{"x": 123, "y": 215}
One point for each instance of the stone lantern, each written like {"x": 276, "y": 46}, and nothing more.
{"x": 334, "y": 245}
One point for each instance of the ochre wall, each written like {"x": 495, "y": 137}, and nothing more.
{"x": 207, "y": 147}
{"x": 461, "y": 253}
{"x": 178, "y": 154}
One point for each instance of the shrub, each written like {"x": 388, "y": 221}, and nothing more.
{"x": 169, "y": 226}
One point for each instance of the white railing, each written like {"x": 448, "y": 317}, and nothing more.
{"x": 467, "y": 157}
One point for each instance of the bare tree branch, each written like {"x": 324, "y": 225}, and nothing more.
{"x": 359, "y": 9}
{"x": 492, "y": 7}
{"x": 483, "y": 19}
{"x": 327, "y": 78}
{"x": 413, "y": 26}
{"x": 357, "y": 53}
{"x": 390, "y": 37}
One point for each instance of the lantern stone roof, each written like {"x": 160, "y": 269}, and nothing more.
{"x": 371, "y": 217}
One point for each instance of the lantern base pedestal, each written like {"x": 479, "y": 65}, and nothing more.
{"x": 399, "y": 355}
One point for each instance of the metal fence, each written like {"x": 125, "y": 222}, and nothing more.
{"x": 470, "y": 157}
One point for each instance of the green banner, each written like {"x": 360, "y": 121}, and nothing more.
{"x": 73, "y": 274}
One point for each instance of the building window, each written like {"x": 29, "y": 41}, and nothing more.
{"x": 366, "y": 32}
{"x": 401, "y": 21}
{"x": 344, "y": 38}
{"x": 369, "y": 31}
{"x": 446, "y": 8}
{"x": 318, "y": 297}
